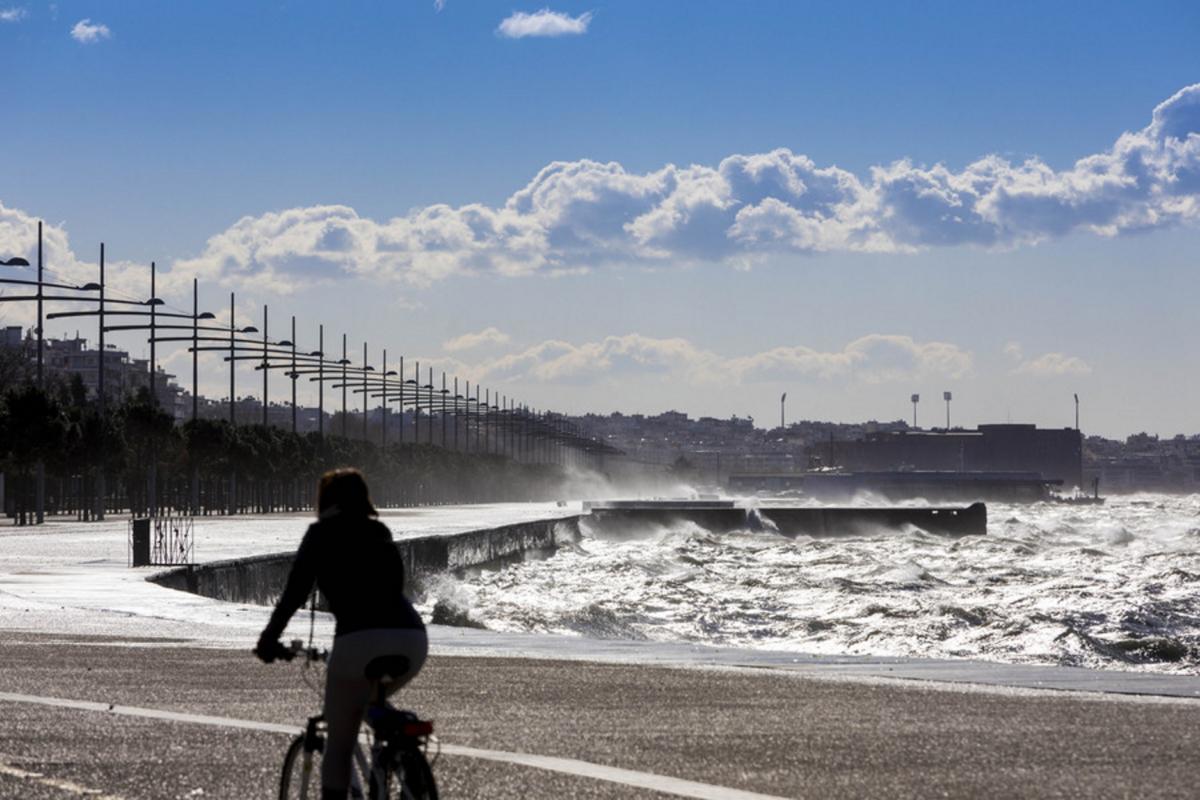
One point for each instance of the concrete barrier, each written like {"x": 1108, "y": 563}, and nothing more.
{"x": 259, "y": 580}
{"x": 628, "y": 517}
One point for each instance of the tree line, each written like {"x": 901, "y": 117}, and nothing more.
{"x": 134, "y": 458}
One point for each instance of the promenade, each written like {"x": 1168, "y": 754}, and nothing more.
{"x": 114, "y": 687}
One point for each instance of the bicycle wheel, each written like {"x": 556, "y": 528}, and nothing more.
{"x": 407, "y": 778}
{"x": 418, "y": 777}
{"x": 301, "y": 777}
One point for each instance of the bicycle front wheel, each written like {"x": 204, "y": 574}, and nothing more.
{"x": 301, "y": 777}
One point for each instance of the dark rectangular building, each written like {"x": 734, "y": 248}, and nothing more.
{"x": 1054, "y": 453}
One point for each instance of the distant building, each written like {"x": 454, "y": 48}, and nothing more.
{"x": 1055, "y": 453}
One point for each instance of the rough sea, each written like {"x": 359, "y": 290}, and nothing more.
{"x": 1113, "y": 586}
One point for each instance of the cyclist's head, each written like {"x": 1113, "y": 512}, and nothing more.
{"x": 344, "y": 491}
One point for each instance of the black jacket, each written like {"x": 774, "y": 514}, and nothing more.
{"x": 355, "y": 564}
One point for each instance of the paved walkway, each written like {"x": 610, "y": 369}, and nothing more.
{"x": 767, "y": 732}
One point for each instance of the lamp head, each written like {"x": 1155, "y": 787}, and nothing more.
{"x": 206, "y": 315}
{"x": 15, "y": 261}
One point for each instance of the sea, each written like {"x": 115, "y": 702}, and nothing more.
{"x": 1108, "y": 586}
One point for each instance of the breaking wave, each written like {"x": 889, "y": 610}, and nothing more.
{"x": 1113, "y": 586}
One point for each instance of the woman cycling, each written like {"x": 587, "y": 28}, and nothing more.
{"x": 350, "y": 556}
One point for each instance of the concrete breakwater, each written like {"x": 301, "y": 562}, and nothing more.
{"x": 721, "y": 516}
{"x": 259, "y": 580}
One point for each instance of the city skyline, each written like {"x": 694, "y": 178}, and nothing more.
{"x": 1036, "y": 242}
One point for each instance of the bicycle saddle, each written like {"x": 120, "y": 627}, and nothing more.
{"x": 386, "y": 669}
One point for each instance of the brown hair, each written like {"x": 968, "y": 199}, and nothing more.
{"x": 344, "y": 491}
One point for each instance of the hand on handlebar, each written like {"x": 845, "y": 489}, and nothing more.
{"x": 268, "y": 650}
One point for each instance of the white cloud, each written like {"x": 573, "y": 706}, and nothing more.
{"x": 438, "y": 5}
{"x": 875, "y": 358}
{"x": 1053, "y": 365}
{"x": 575, "y": 216}
{"x": 87, "y": 32}
{"x": 14, "y": 14}
{"x": 543, "y": 23}
{"x": 1014, "y": 351}
{"x": 468, "y": 341}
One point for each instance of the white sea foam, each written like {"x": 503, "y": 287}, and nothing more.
{"x": 1105, "y": 586}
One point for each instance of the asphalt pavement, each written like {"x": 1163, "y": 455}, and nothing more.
{"x": 763, "y": 731}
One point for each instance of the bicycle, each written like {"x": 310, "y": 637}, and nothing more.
{"x": 396, "y": 740}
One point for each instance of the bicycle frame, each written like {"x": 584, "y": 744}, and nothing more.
{"x": 397, "y": 741}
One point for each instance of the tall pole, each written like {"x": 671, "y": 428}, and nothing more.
{"x": 294, "y": 376}
{"x": 195, "y": 381}
{"x": 916, "y": 398}
{"x": 100, "y": 385}
{"x": 430, "y": 384}
{"x": 400, "y": 438}
{"x": 41, "y": 465}
{"x": 321, "y": 382}
{"x": 487, "y": 420}
{"x": 417, "y": 404}
{"x": 344, "y": 360}
{"x": 456, "y": 395}
{"x": 232, "y": 329}
{"x": 153, "y": 336}
{"x": 782, "y": 404}
{"x": 265, "y": 365}
{"x": 40, "y": 296}
{"x": 443, "y": 410}
{"x": 152, "y": 489}
{"x": 366, "y": 392}
{"x": 195, "y": 348}
{"x": 467, "y": 410}
{"x": 476, "y": 418}
{"x": 947, "y": 396}
{"x": 383, "y": 408}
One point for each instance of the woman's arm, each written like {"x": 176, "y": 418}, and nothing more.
{"x": 299, "y": 584}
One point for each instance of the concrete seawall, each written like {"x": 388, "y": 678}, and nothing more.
{"x": 259, "y": 580}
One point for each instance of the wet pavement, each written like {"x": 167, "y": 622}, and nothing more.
{"x": 768, "y": 731}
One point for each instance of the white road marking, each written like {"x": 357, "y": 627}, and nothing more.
{"x": 55, "y": 783}
{"x": 569, "y": 766}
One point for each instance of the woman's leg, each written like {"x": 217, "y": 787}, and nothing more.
{"x": 347, "y": 691}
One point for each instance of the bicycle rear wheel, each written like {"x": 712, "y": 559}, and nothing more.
{"x": 410, "y": 778}
{"x": 301, "y": 776}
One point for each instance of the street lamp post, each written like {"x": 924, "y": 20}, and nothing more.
{"x": 383, "y": 408}
{"x": 294, "y": 376}
{"x": 400, "y": 437}
{"x": 321, "y": 383}
{"x": 100, "y": 487}
{"x": 265, "y": 366}
{"x": 345, "y": 361}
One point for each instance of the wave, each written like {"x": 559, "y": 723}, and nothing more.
{"x": 1104, "y": 586}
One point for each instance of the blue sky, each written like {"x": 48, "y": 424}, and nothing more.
{"x": 160, "y": 125}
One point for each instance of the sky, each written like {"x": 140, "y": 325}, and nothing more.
{"x": 599, "y": 206}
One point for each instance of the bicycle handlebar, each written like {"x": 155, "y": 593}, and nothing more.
{"x": 287, "y": 652}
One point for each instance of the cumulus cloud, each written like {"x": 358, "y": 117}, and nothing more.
{"x": 469, "y": 341}
{"x": 543, "y": 23}
{"x": 87, "y": 32}
{"x": 14, "y": 14}
{"x": 574, "y": 216}
{"x": 124, "y": 279}
{"x": 1053, "y": 365}
{"x": 875, "y": 358}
